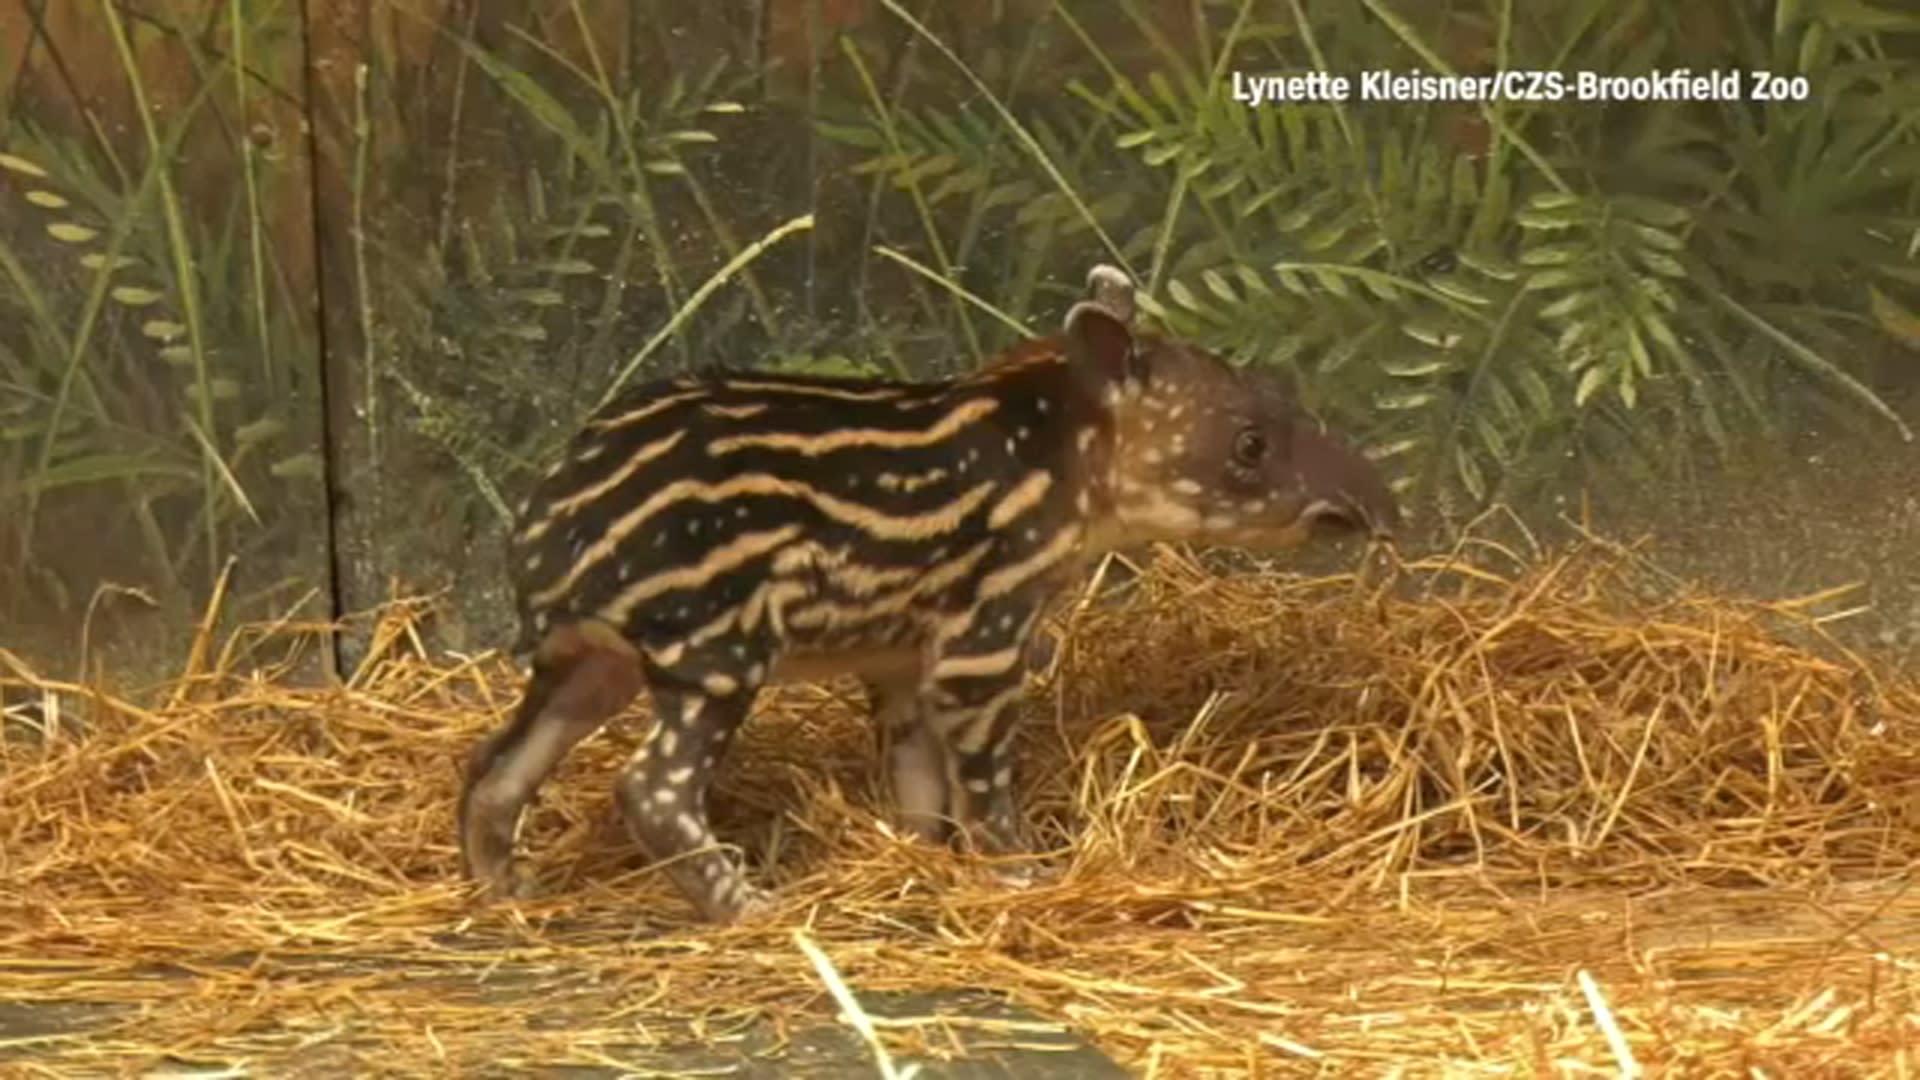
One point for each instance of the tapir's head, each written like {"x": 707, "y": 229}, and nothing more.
{"x": 1206, "y": 452}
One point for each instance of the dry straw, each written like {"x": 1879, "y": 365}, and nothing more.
{"x": 1474, "y": 823}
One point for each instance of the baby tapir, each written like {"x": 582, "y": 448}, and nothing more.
{"x": 708, "y": 535}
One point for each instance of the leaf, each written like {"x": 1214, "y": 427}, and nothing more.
{"x": 1251, "y": 278}
{"x": 1659, "y": 238}
{"x": 1218, "y": 286}
{"x": 1552, "y": 254}
{"x": 1162, "y": 153}
{"x": 1296, "y": 219}
{"x": 1637, "y": 352}
{"x": 1661, "y": 264}
{"x": 1415, "y": 370}
{"x": 543, "y": 107}
{"x": 1452, "y": 287}
{"x": 1394, "y": 449}
{"x": 1553, "y": 200}
{"x": 22, "y": 166}
{"x": 1184, "y": 296}
{"x": 1491, "y": 265}
{"x": 259, "y": 431}
{"x": 1904, "y": 325}
{"x": 1560, "y": 277}
{"x": 306, "y": 466}
{"x": 68, "y": 233}
{"x": 134, "y": 296}
{"x": 1380, "y": 285}
{"x": 1538, "y": 394}
{"x": 47, "y": 199}
{"x": 1551, "y": 220}
{"x": 1259, "y": 202}
{"x": 1590, "y": 381}
{"x": 1432, "y": 336}
{"x": 1629, "y": 393}
{"x": 1662, "y": 334}
{"x": 1471, "y": 477}
{"x": 1333, "y": 282}
{"x": 863, "y": 136}
{"x": 1492, "y": 438}
{"x": 1404, "y": 401}
{"x": 1569, "y": 304}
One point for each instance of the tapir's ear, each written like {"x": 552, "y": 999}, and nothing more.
{"x": 1098, "y": 342}
{"x": 1110, "y": 287}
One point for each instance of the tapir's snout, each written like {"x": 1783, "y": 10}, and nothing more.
{"x": 1344, "y": 489}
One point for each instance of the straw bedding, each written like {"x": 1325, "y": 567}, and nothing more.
{"x": 1458, "y": 822}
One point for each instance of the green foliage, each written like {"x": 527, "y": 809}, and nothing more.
{"x": 1630, "y": 276}
{"x": 145, "y": 357}
{"x": 502, "y": 332}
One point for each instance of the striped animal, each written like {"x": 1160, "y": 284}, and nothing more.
{"x": 707, "y": 536}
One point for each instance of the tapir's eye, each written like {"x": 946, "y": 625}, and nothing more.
{"x": 1249, "y": 447}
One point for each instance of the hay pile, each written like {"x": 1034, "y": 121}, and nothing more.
{"x": 1505, "y": 825}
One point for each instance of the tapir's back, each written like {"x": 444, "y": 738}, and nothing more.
{"x": 681, "y": 502}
